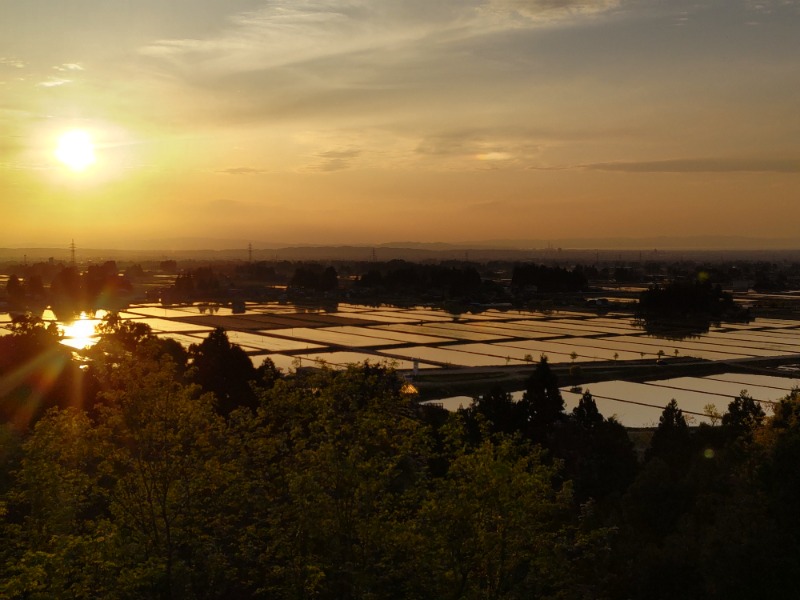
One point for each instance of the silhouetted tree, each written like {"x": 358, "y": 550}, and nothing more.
{"x": 671, "y": 440}
{"x": 542, "y": 404}
{"x": 15, "y": 291}
{"x": 744, "y": 416}
{"x": 586, "y": 413}
{"x": 225, "y": 370}
{"x": 495, "y": 412}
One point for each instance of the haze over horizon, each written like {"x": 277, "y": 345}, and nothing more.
{"x": 361, "y": 122}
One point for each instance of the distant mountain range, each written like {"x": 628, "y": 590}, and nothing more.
{"x": 585, "y": 249}
{"x": 620, "y": 243}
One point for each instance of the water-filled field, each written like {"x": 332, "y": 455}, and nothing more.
{"x": 432, "y": 338}
{"x": 641, "y": 404}
{"x": 427, "y": 338}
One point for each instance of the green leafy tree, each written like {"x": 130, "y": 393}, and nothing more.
{"x": 56, "y": 528}
{"x": 343, "y": 458}
{"x": 163, "y": 472}
{"x": 497, "y": 526}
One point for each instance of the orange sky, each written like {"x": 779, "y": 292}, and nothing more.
{"x": 368, "y": 121}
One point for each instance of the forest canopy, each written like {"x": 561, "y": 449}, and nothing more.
{"x": 150, "y": 476}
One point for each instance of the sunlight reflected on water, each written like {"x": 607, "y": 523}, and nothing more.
{"x": 82, "y": 332}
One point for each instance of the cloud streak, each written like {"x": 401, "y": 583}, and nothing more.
{"x": 14, "y": 63}
{"x": 54, "y": 82}
{"x": 701, "y": 165}
{"x": 295, "y": 32}
{"x": 242, "y": 171}
{"x": 335, "y": 160}
{"x": 549, "y": 10}
{"x": 68, "y": 67}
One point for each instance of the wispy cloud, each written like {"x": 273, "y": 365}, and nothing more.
{"x": 54, "y": 82}
{"x": 242, "y": 171}
{"x": 335, "y": 160}
{"x": 489, "y": 149}
{"x": 279, "y": 34}
{"x": 548, "y": 10}
{"x": 291, "y": 32}
{"x": 14, "y": 63}
{"x": 701, "y": 165}
{"x": 296, "y": 60}
{"x": 771, "y": 6}
{"x": 68, "y": 67}
{"x": 489, "y": 207}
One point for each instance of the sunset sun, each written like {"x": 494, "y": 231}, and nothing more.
{"x": 75, "y": 150}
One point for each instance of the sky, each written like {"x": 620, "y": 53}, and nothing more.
{"x": 370, "y": 121}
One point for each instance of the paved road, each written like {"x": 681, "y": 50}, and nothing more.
{"x": 471, "y": 381}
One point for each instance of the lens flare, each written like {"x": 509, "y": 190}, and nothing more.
{"x": 81, "y": 333}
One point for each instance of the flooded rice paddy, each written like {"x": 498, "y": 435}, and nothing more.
{"x": 640, "y": 404}
{"x": 435, "y": 339}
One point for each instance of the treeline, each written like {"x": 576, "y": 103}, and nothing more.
{"x": 392, "y": 281}
{"x": 688, "y": 299}
{"x": 100, "y": 286}
{"x": 251, "y": 281}
{"x": 549, "y": 279}
{"x": 166, "y": 473}
{"x": 465, "y": 280}
{"x": 400, "y": 278}
{"x": 686, "y": 308}
{"x": 315, "y": 277}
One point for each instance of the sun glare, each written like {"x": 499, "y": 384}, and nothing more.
{"x": 75, "y": 150}
{"x": 81, "y": 333}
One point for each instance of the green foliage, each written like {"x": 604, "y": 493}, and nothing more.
{"x": 161, "y": 471}
{"x": 338, "y": 486}
{"x": 349, "y": 457}
{"x": 498, "y": 527}
{"x": 324, "y": 492}
{"x": 55, "y": 515}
